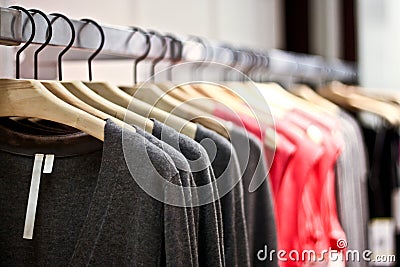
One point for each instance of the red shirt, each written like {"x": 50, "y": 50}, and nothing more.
{"x": 289, "y": 201}
{"x": 324, "y": 199}
{"x": 283, "y": 154}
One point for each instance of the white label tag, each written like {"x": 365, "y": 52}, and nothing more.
{"x": 382, "y": 239}
{"x": 33, "y": 197}
{"x": 396, "y": 208}
{"x": 48, "y": 163}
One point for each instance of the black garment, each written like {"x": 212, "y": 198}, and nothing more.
{"x": 383, "y": 151}
{"x": 226, "y": 168}
{"x": 209, "y": 228}
{"x": 384, "y": 177}
{"x": 259, "y": 205}
{"x": 90, "y": 209}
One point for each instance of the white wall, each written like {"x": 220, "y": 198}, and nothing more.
{"x": 379, "y": 43}
{"x": 253, "y": 23}
{"x": 99, "y": 10}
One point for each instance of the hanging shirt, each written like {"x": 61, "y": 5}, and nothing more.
{"x": 283, "y": 154}
{"x": 259, "y": 206}
{"x": 227, "y": 171}
{"x": 289, "y": 199}
{"x": 384, "y": 182}
{"x": 351, "y": 187}
{"x": 325, "y": 201}
{"x": 209, "y": 217}
{"x": 251, "y": 124}
{"x": 187, "y": 180}
{"x": 90, "y": 210}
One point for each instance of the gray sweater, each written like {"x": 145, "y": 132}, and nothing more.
{"x": 351, "y": 187}
{"x": 206, "y": 206}
{"x": 186, "y": 181}
{"x": 226, "y": 168}
{"x": 91, "y": 209}
{"x": 259, "y": 206}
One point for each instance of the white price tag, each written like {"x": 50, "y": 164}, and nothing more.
{"x": 34, "y": 190}
{"x": 48, "y": 163}
{"x": 382, "y": 239}
{"x": 33, "y": 197}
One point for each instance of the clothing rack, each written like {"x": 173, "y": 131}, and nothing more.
{"x": 123, "y": 43}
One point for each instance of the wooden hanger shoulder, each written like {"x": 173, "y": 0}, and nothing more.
{"x": 61, "y": 92}
{"x": 348, "y": 97}
{"x": 81, "y": 91}
{"x": 110, "y": 92}
{"x": 121, "y": 98}
{"x": 154, "y": 96}
{"x": 29, "y": 98}
{"x": 310, "y": 95}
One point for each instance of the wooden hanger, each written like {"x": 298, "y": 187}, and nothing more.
{"x": 184, "y": 92}
{"x": 56, "y": 88}
{"x": 155, "y": 96}
{"x": 29, "y": 98}
{"x": 82, "y": 92}
{"x": 234, "y": 103}
{"x": 62, "y": 93}
{"x": 284, "y": 100}
{"x": 310, "y": 95}
{"x": 347, "y": 96}
{"x": 208, "y": 92}
{"x": 121, "y": 98}
{"x": 381, "y": 95}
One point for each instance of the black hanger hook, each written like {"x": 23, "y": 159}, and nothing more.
{"x": 263, "y": 66}
{"x": 162, "y": 55}
{"x": 257, "y": 63}
{"x": 71, "y": 42}
{"x": 102, "y": 41}
{"x": 33, "y": 32}
{"x": 145, "y": 54}
{"x": 175, "y": 53}
{"x": 49, "y": 33}
{"x": 175, "y": 48}
{"x": 243, "y": 59}
{"x": 234, "y": 62}
{"x": 250, "y": 64}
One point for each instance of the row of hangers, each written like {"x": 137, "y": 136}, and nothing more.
{"x": 85, "y": 105}
{"x": 327, "y": 93}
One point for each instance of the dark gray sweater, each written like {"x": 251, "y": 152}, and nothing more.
{"x": 259, "y": 204}
{"x": 208, "y": 224}
{"x": 226, "y": 168}
{"x": 186, "y": 181}
{"x": 91, "y": 210}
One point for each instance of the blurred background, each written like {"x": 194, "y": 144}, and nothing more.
{"x": 363, "y": 31}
